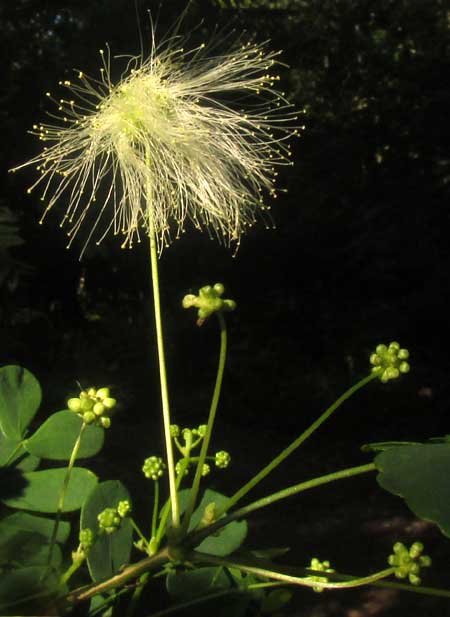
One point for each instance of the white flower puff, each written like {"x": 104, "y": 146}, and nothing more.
{"x": 182, "y": 136}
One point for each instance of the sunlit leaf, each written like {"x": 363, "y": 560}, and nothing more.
{"x": 44, "y": 487}
{"x": 56, "y": 437}
{"x": 20, "y": 397}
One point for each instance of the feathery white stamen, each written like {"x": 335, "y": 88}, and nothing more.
{"x": 165, "y": 142}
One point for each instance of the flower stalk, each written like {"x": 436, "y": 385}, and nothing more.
{"x": 233, "y": 500}
{"x": 162, "y": 371}
{"x": 62, "y": 495}
{"x": 210, "y": 423}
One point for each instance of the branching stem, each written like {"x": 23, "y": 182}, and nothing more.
{"x": 295, "y": 444}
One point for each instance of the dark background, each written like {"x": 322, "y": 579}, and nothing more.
{"x": 359, "y": 256}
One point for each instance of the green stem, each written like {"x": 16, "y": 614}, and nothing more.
{"x": 209, "y": 427}
{"x": 137, "y": 530}
{"x": 62, "y": 495}
{"x": 166, "y": 508}
{"x": 70, "y": 571}
{"x": 295, "y": 444}
{"x": 197, "y": 537}
{"x": 162, "y": 371}
{"x": 306, "y": 581}
{"x": 129, "y": 573}
{"x": 155, "y": 508}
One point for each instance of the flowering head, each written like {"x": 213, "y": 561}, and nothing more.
{"x": 407, "y": 563}
{"x": 321, "y": 566}
{"x": 162, "y": 146}
{"x": 93, "y": 406}
{"x": 110, "y": 519}
{"x": 153, "y": 467}
{"x": 208, "y": 301}
{"x": 390, "y": 361}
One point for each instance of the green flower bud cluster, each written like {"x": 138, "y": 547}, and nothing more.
{"x": 174, "y": 430}
{"x": 205, "y": 469}
{"x": 86, "y": 538}
{"x": 86, "y": 541}
{"x": 153, "y": 467}
{"x": 389, "y": 362}
{"x": 92, "y": 406}
{"x": 110, "y": 519}
{"x": 181, "y": 469}
{"x": 407, "y": 563}
{"x": 124, "y": 508}
{"x": 222, "y": 459}
{"x": 321, "y": 566}
{"x": 208, "y": 301}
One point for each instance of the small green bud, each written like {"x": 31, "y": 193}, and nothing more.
{"x": 222, "y": 459}
{"x": 219, "y": 289}
{"x": 98, "y": 409}
{"x": 102, "y": 393}
{"x": 153, "y": 467}
{"x": 206, "y": 469}
{"x": 404, "y": 367}
{"x": 89, "y": 417}
{"x": 92, "y": 392}
{"x": 86, "y": 404}
{"x": 416, "y": 550}
{"x": 105, "y": 422}
{"x": 201, "y": 431}
{"x": 109, "y": 402}
{"x": 74, "y": 404}
{"x": 187, "y": 434}
{"x": 123, "y": 508}
{"x": 109, "y": 520}
{"x": 189, "y": 301}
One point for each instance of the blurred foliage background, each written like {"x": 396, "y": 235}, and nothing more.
{"x": 360, "y": 253}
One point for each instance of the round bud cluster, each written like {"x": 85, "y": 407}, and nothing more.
{"x": 92, "y": 406}
{"x": 200, "y": 431}
{"x": 222, "y": 459}
{"x": 408, "y": 562}
{"x": 208, "y": 301}
{"x": 390, "y": 361}
{"x": 174, "y": 430}
{"x": 206, "y": 469}
{"x": 111, "y": 518}
{"x": 124, "y": 508}
{"x": 321, "y": 566}
{"x": 153, "y": 467}
{"x": 180, "y": 468}
{"x": 86, "y": 538}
